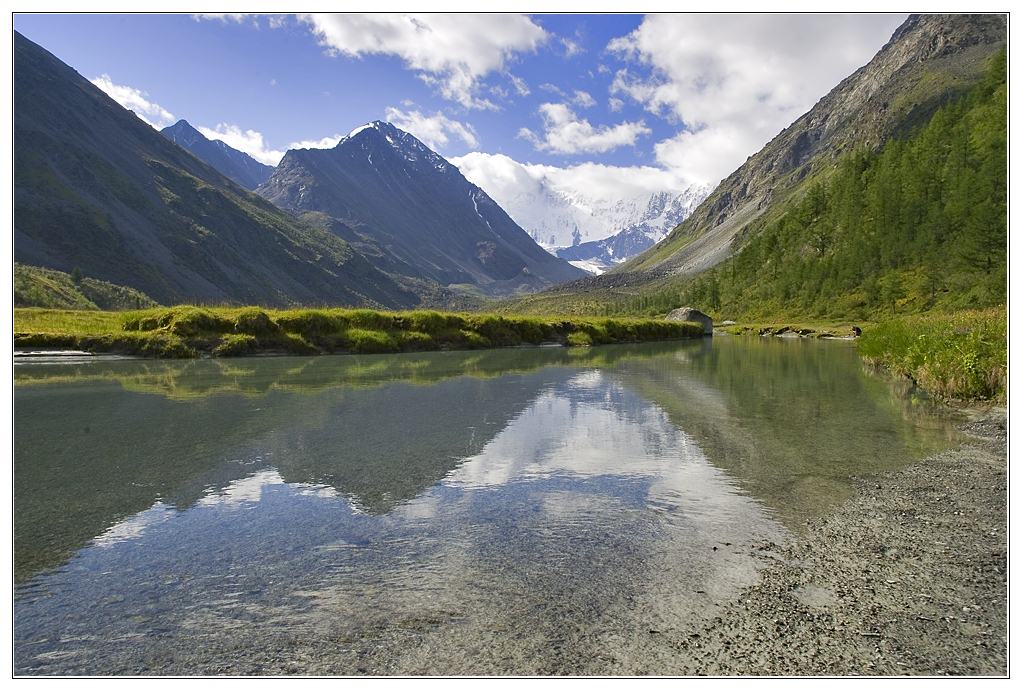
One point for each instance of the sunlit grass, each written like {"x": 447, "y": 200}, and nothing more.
{"x": 961, "y": 355}
{"x": 184, "y": 331}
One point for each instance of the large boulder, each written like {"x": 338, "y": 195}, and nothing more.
{"x": 692, "y": 315}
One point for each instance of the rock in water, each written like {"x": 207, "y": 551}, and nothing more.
{"x": 692, "y": 315}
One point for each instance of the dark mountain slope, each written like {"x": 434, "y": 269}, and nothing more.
{"x": 236, "y": 165}
{"x": 424, "y": 217}
{"x": 97, "y": 189}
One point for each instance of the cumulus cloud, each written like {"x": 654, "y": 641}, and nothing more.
{"x": 502, "y": 176}
{"x": 135, "y": 100}
{"x": 734, "y": 82}
{"x": 453, "y": 52}
{"x": 583, "y": 99}
{"x": 328, "y": 142}
{"x": 566, "y": 133}
{"x": 615, "y": 104}
{"x": 249, "y": 141}
{"x": 433, "y": 130}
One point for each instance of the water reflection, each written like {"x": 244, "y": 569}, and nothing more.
{"x": 523, "y": 511}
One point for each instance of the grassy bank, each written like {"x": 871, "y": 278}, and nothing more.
{"x": 958, "y": 356}
{"x": 188, "y": 332}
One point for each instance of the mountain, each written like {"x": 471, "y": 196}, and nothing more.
{"x": 772, "y": 215}
{"x": 98, "y": 190}
{"x": 562, "y": 208}
{"x": 382, "y": 188}
{"x": 929, "y": 60}
{"x": 49, "y": 288}
{"x": 663, "y": 212}
{"x": 236, "y": 165}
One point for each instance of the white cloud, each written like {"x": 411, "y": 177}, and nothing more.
{"x": 553, "y": 89}
{"x": 323, "y": 143}
{"x": 454, "y": 52}
{"x": 501, "y": 175}
{"x": 553, "y": 201}
{"x": 615, "y": 104}
{"x": 572, "y": 48}
{"x": 583, "y": 99}
{"x": 138, "y": 101}
{"x": 249, "y": 141}
{"x": 735, "y": 81}
{"x": 433, "y": 130}
{"x": 225, "y": 17}
{"x": 566, "y": 133}
{"x": 519, "y": 84}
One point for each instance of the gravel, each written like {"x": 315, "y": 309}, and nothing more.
{"x": 907, "y": 578}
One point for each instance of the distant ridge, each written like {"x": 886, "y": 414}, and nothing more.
{"x": 236, "y": 165}
{"x": 97, "y": 189}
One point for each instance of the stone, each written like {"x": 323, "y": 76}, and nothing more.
{"x": 692, "y": 315}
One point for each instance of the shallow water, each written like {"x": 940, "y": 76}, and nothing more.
{"x": 528, "y": 511}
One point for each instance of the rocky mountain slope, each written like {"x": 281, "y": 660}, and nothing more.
{"x": 929, "y": 60}
{"x": 236, "y": 165}
{"x": 407, "y": 207}
{"x": 96, "y": 188}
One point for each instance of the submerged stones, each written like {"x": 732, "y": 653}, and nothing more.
{"x": 692, "y": 315}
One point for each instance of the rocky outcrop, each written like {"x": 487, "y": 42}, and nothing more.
{"x": 692, "y": 315}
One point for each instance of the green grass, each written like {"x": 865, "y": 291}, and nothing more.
{"x": 49, "y": 288}
{"x": 187, "y": 331}
{"x": 958, "y": 356}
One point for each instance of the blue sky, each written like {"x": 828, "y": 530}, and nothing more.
{"x": 685, "y": 97}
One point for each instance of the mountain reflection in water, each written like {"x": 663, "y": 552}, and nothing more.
{"x": 520, "y": 511}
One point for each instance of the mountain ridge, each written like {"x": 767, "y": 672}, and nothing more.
{"x": 390, "y": 191}
{"x": 98, "y": 189}
{"x": 236, "y": 165}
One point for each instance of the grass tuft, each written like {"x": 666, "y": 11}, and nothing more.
{"x": 958, "y": 356}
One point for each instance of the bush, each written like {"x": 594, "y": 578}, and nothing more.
{"x": 370, "y": 341}
{"x": 961, "y": 355}
{"x": 235, "y": 345}
{"x": 580, "y": 338}
{"x": 256, "y": 323}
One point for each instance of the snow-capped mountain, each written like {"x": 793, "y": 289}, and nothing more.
{"x": 412, "y": 213}
{"x": 575, "y": 212}
{"x": 664, "y": 211}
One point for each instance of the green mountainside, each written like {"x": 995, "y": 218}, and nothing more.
{"x": 919, "y": 225}
{"x": 49, "y": 288}
{"x": 889, "y": 194}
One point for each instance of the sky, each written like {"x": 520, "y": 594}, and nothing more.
{"x": 660, "y": 101}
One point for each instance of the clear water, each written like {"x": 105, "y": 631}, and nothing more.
{"x": 541, "y": 511}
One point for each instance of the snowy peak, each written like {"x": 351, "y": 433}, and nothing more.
{"x": 406, "y": 145}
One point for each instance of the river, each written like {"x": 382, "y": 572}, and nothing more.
{"x": 520, "y": 511}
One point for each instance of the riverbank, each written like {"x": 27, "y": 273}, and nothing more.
{"x": 191, "y": 332}
{"x": 907, "y": 578}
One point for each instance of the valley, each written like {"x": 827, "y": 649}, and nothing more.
{"x": 385, "y": 379}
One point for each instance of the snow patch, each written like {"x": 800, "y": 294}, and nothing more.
{"x": 589, "y": 266}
